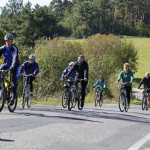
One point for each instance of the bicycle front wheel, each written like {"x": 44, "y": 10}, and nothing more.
{"x": 146, "y": 104}
{"x": 125, "y": 106}
{"x": 80, "y": 105}
{"x": 12, "y": 108}
{"x": 70, "y": 101}
{"x": 29, "y": 101}
{"x": 2, "y": 99}
{"x": 121, "y": 102}
{"x": 96, "y": 99}
{"x": 65, "y": 98}
{"x": 143, "y": 102}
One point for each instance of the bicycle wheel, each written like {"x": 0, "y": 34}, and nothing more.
{"x": 12, "y": 108}
{"x": 143, "y": 102}
{"x": 29, "y": 97}
{"x": 96, "y": 99}
{"x": 125, "y": 106}
{"x": 70, "y": 101}
{"x": 146, "y": 104}
{"x": 65, "y": 98}
{"x": 121, "y": 102}
{"x": 29, "y": 101}
{"x": 2, "y": 98}
{"x": 80, "y": 107}
{"x": 23, "y": 101}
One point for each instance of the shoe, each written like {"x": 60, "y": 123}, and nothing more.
{"x": 11, "y": 103}
{"x": 31, "y": 93}
{"x": 128, "y": 105}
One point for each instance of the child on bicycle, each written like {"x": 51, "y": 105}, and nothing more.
{"x": 30, "y": 67}
{"x": 101, "y": 85}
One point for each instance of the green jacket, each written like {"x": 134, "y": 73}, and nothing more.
{"x": 126, "y": 77}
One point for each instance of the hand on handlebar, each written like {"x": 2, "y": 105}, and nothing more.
{"x": 66, "y": 76}
{"x": 85, "y": 79}
{"x": 116, "y": 82}
{"x": 131, "y": 82}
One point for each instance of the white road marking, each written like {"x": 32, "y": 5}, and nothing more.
{"x": 138, "y": 144}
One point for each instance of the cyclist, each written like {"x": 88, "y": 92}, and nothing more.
{"x": 11, "y": 62}
{"x": 146, "y": 82}
{"x": 101, "y": 85}
{"x": 81, "y": 67}
{"x": 30, "y": 67}
{"x": 127, "y": 76}
{"x": 67, "y": 70}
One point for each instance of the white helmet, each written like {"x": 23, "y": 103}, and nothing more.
{"x": 71, "y": 63}
{"x": 32, "y": 57}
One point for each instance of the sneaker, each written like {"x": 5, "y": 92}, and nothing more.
{"x": 128, "y": 105}
{"x": 31, "y": 93}
{"x": 11, "y": 103}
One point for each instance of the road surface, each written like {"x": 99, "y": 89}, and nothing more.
{"x": 93, "y": 128}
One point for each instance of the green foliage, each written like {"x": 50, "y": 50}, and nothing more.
{"x": 106, "y": 56}
{"x": 53, "y": 58}
{"x": 2, "y": 34}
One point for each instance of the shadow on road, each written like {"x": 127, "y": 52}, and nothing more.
{"x": 5, "y": 140}
{"x": 96, "y": 113}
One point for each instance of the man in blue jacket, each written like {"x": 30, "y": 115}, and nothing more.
{"x": 30, "y": 67}
{"x": 11, "y": 62}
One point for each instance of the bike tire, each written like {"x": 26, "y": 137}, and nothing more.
{"x": 96, "y": 99}
{"x": 70, "y": 101}
{"x": 143, "y": 102}
{"x": 126, "y": 107}
{"x": 29, "y": 101}
{"x": 100, "y": 103}
{"x": 65, "y": 98}
{"x": 121, "y": 102}
{"x": 2, "y": 100}
{"x": 80, "y": 107}
{"x": 23, "y": 102}
{"x": 146, "y": 105}
{"x": 12, "y": 108}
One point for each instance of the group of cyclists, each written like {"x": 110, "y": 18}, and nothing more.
{"x": 11, "y": 62}
{"x": 76, "y": 70}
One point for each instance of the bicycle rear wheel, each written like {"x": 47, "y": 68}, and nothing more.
{"x": 146, "y": 104}
{"x": 2, "y": 98}
{"x": 96, "y": 99}
{"x": 80, "y": 107}
{"x": 121, "y": 102}
{"x": 125, "y": 106}
{"x": 65, "y": 98}
{"x": 143, "y": 102}
{"x": 12, "y": 108}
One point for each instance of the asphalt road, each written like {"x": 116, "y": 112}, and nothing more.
{"x": 93, "y": 128}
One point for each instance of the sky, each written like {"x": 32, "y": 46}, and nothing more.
{"x": 34, "y": 2}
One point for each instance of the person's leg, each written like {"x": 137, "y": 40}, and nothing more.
{"x": 14, "y": 80}
{"x": 101, "y": 94}
{"x": 84, "y": 84}
{"x": 128, "y": 90}
{"x": 31, "y": 85}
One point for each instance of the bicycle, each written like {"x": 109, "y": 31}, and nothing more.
{"x": 145, "y": 98}
{"x": 98, "y": 98}
{"x": 65, "y": 95}
{"x": 122, "y": 98}
{"x": 75, "y": 95}
{"x": 26, "y": 91}
{"x": 6, "y": 87}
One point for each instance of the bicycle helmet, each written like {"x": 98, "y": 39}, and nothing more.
{"x": 8, "y": 37}
{"x": 32, "y": 57}
{"x": 71, "y": 63}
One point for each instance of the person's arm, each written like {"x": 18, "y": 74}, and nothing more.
{"x": 36, "y": 70}
{"x": 2, "y": 48}
{"x": 14, "y": 59}
{"x": 120, "y": 76}
{"x": 64, "y": 73}
{"x": 22, "y": 68}
{"x": 96, "y": 83}
{"x": 141, "y": 82}
{"x": 104, "y": 85}
{"x": 86, "y": 71}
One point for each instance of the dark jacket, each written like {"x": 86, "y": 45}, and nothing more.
{"x": 81, "y": 69}
{"x": 146, "y": 82}
{"x": 15, "y": 59}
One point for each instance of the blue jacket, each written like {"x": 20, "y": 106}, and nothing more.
{"x": 33, "y": 68}
{"x": 66, "y": 71}
{"x": 11, "y": 58}
{"x": 101, "y": 84}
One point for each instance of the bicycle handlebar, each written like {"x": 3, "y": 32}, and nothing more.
{"x": 124, "y": 83}
{"x": 29, "y": 75}
{"x": 4, "y": 71}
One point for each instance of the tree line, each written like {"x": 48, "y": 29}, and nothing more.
{"x": 77, "y": 18}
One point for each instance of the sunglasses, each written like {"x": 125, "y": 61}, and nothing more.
{"x": 8, "y": 40}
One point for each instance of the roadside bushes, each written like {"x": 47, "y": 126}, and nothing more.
{"x": 53, "y": 58}
{"x": 106, "y": 56}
